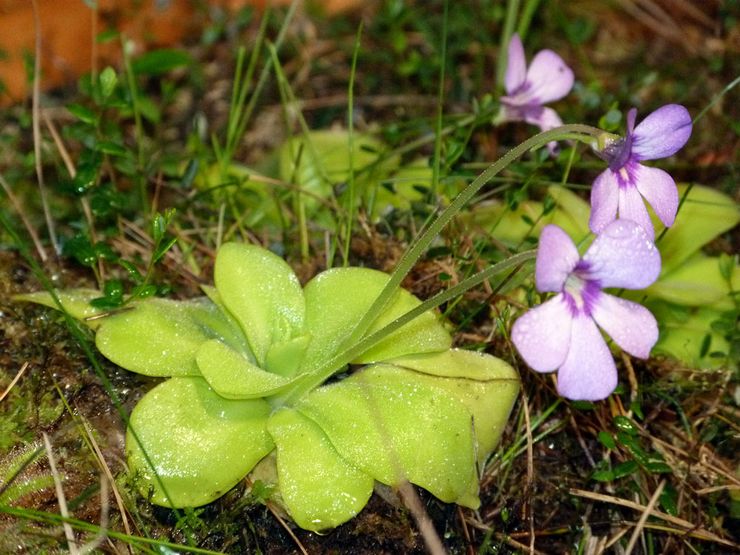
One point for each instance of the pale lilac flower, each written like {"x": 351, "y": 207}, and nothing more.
{"x": 620, "y": 189}
{"x": 562, "y": 333}
{"x": 547, "y": 79}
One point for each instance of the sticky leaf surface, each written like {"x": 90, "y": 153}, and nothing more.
{"x": 200, "y": 444}
{"x": 319, "y": 488}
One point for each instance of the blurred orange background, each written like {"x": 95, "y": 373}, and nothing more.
{"x": 69, "y": 27}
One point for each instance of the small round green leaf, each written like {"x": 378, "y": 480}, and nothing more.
{"x": 319, "y": 488}
{"x": 199, "y": 443}
{"x": 396, "y": 428}
{"x": 233, "y": 376}
{"x": 262, "y": 293}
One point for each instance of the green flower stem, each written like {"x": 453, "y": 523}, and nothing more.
{"x": 576, "y": 132}
{"x": 345, "y": 357}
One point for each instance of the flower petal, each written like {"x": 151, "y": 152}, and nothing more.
{"x": 557, "y": 256}
{"x": 545, "y": 119}
{"x": 632, "y": 207}
{"x": 622, "y": 255}
{"x": 542, "y": 335}
{"x": 588, "y": 373}
{"x": 659, "y": 189}
{"x": 548, "y": 77}
{"x": 516, "y": 65}
{"x": 604, "y": 200}
{"x": 630, "y": 325}
{"x": 662, "y": 133}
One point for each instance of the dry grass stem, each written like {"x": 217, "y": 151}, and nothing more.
{"x": 643, "y": 519}
{"x": 36, "y": 119}
{"x": 688, "y": 527}
{"x": 530, "y": 469}
{"x": 103, "y": 464}
{"x": 412, "y": 502}
{"x": 285, "y": 526}
{"x": 26, "y": 222}
{"x": 68, "y": 532}
{"x": 103, "y": 531}
{"x": 14, "y": 381}
{"x": 63, "y": 152}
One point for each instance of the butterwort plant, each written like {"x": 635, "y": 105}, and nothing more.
{"x": 261, "y": 370}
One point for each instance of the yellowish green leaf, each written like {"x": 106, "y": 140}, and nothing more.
{"x": 199, "y": 443}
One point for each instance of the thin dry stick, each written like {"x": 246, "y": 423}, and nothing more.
{"x": 517, "y": 545}
{"x": 689, "y": 527}
{"x": 600, "y": 546}
{"x": 505, "y": 538}
{"x": 713, "y": 489}
{"x": 106, "y": 469}
{"x": 69, "y": 534}
{"x": 67, "y": 159}
{"x": 423, "y": 522}
{"x": 37, "y": 131}
{"x": 632, "y": 378}
{"x": 287, "y": 528}
{"x": 26, "y": 223}
{"x": 618, "y": 536}
{"x": 466, "y": 532}
{"x": 15, "y": 380}
{"x": 530, "y": 469}
{"x": 695, "y": 12}
{"x": 103, "y": 530}
{"x": 581, "y": 441}
{"x": 643, "y": 519}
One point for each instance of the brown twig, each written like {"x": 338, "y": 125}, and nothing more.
{"x": 26, "y": 223}
{"x": 15, "y": 380}
{"x": 688, "y": 527}
{"x": 643, "y": 519}
{"x": 423, "y": 522}
{"x": 68, "y": 532}
{"x": 37, "y": 132}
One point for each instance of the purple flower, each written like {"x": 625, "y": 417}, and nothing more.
{"x": 562, "y": 333}
{"x": 546, "y": 80}
{"x": 618, "y": 189}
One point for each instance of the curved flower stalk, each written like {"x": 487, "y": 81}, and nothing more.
{"x": 418, "y": 410}
{"x": 620, "y": 189}
{"x": 562, "y": 333}
{"x": 547, "y": 79}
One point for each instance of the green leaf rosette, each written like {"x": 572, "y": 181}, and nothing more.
{"x": 248, "y": 367}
